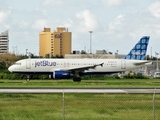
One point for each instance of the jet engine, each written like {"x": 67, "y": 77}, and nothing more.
{"x": 61, "y": 74}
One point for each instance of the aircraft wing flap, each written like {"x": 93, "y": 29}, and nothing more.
{"x": 81, "y": 68}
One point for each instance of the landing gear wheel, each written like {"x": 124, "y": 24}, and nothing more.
{"x": 74, "y": 79}
{"x": 28, "y": 78}
{"x": 77, "y": 79}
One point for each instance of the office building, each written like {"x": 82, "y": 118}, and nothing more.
{"x": 55, "y": 43}
{"x": 4, "y": 42}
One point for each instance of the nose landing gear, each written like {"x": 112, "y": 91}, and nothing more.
{"x": 28, "y": 78}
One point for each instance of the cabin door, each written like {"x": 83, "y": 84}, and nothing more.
{"x": 123, "y": 64}
{"x": 28, "y": 64}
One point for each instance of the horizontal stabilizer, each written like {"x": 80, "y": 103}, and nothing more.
{"x": 142, "y": 63}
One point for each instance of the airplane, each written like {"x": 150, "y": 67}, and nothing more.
{"x": 75, "y": 68}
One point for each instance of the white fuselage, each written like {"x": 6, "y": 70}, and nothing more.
{"x": 47, "y": 66}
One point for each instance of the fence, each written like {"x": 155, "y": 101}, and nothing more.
{"x": 79, "y": 106}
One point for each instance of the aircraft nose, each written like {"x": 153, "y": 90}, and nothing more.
{"x": 10, "y": 68}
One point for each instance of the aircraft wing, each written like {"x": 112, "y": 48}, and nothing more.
{"x": 82, "y": 68}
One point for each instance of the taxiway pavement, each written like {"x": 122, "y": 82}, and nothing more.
{"x": 77, "y": 90}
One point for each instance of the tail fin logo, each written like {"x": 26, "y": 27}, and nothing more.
{"x": 138, "y": 53}
{"x": 139, "y": 50}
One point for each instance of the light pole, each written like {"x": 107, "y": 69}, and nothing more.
{"x": 151, "y": 53}
{"x": 90, "y": 41}
{"x": 157, "y": 60}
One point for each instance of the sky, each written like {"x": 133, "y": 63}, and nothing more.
{"x": 116, "y": 24}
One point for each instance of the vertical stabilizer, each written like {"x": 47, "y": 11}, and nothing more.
{"x": 139, "y": 50}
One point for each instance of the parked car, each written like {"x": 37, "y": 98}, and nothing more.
{"x": 143, "y": 73}
{"x": 156, "y": 75}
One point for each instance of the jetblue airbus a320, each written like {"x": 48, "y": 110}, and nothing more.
{"x": 67, "y": 68}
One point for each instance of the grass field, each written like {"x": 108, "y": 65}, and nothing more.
{"x": 115, "y": 83}
{"x": 80, "y": 106}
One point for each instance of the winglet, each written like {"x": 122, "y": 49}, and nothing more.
{"x": 139, "y": 50}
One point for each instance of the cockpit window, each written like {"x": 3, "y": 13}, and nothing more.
{"x": 17, "y": 63}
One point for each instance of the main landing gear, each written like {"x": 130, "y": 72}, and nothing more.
{"x": 76, "y": 79}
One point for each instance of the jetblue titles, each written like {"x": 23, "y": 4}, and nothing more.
{"x": 44, "y": 63}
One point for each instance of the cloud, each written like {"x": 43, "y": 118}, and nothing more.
{"x": 39, "y": 24}
{"x": 68, "y": 23}
{"x": 23, "y": 24}
{"x": 4, "y": 15}
{"x": 157, "y": 29}
{"x": 52, "y": 3}
{"x": 110, "y": 3}
{"x": 87, "y": 21}
{"x": 116, "y": 22}
{"x": 131, "y": 26}
{"x": 154, "y": 8}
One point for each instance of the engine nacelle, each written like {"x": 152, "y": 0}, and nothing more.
{"x": 61, "y": 75}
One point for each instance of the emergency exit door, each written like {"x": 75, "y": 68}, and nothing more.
{"x": 28, "y": 64}
{"x": 123, "y": 64}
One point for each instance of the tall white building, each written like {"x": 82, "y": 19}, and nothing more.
{"x": 4, "y": 42}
